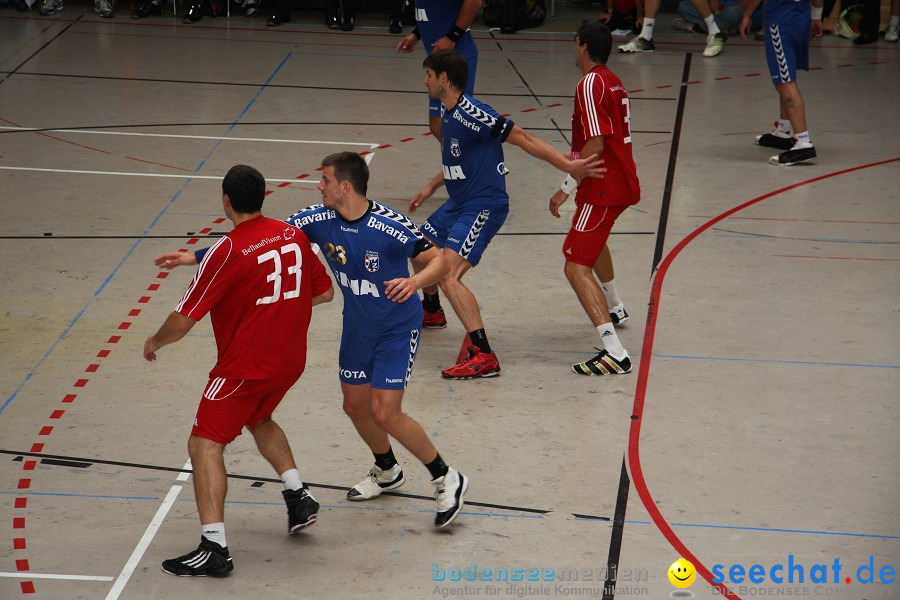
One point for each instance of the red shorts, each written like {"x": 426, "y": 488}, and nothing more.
{"x": 229, "y": 405}
{"x": 591, "y": 225}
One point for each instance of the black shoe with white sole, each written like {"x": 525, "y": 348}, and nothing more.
{"x": 208, "y": 560}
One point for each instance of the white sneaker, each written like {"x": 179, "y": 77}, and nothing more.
{"x": 49, "y": 7}
{"x": 617, "y": 314}
{"x": 638, "y": 44}
{"x": 103, "y": 8}
{"x": 714, "y": 43}
{"x": 449, "y": 491}
{"x": 377, "y": 481}
{"x": 891, "y": 35}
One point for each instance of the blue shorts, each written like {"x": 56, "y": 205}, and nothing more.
{"x": 787, "y": 49}
{"x": 386, "y": 361}
{"x": 434, "y": 106}
{"x": 466, "y": 230}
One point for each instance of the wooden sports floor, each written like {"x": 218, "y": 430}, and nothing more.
{"x": 757, "y": 431}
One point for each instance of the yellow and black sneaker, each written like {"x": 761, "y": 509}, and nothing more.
{"x": 603, "y": 364}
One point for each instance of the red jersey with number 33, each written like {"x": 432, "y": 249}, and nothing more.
{"x": 257, "y": 283}
{"x": 601, "y": 108}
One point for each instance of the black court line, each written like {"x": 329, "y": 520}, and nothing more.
{"x": 218, "y": 234}
{"x": 618, "y": 527}
{"x": 253, "y": 478}
{"x": 38, "y": 51}
{"x": 270, "y": 85}
{"x": 76, "y": 129}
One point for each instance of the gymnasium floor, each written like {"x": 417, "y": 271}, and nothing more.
{"x": 759, "y": 426}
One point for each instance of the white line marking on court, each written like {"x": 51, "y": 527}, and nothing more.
{"x": 152, "y": 528}
{"x": 192, "y": 137}
{"x": 27, "y": 575}
{"x": 126, "y": 174}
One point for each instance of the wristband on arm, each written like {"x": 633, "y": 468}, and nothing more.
{"x": 816, "y": 12}
{"x": 455, "y": 33}
{"x": 569, "y": 185}
{"x": 416, "y": 33}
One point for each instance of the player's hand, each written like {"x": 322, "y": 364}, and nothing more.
{"x": 745, "y": 26}
{"x": 407, "y": 43}
{"x": 419, "y": 198}
{"x": 590, "y": 166}
{"x": 557, "y": 200}
{"x": 399, "y": 290}
{"x": 444, "y": 43}
{"x": 604, "y": 17}
{"x": 170, "y": 260}
{"x": 150, "y": 348}
{"x": 818, "y": 29}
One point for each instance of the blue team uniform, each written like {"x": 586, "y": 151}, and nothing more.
{"x": 472, "y": 136}
{"x": 788, "y": 26}
{"x": 434, "y": 19}
{"x": 380, "y": 337}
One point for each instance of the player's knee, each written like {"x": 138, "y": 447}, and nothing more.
{"x": 574, "y": 271}
{"x": 385, "y": 417}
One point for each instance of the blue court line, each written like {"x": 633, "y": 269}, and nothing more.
{"x": 131, "y": 251}
{"x": 763, "y": 529}
{"x": 782, "y": 362}
{"x": 478, "y": 514}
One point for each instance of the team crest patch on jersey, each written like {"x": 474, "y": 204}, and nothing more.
{"x": 372, "y": 262}
{"x": 501, "y": 168}
{"x": 455, "y": 150}
{"x": 289, "y": 233}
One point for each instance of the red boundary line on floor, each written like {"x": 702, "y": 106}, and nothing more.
{"x": 634, "y": 436}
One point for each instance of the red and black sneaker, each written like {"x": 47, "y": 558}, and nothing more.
{"x": 435, "y": 320}
{"x": 478, "y": 364}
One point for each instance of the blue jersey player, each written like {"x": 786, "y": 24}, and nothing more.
{"x": 368, "y": 247}
{"x": 472, "y": 137}
{"x": 444, "y": 25}
{"x": 788, "y": 27}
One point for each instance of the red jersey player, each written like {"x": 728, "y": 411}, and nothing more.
{"x": 600, "y": 125}
{"x": 259, "y": 284}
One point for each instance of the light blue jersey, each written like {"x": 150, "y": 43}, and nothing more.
{"x": 472, "y": 154}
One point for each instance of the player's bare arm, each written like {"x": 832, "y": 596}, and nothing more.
{"x": 170, "y": 260}
{"x": 430, "y": 267}
{"x": 430, "y": 188}
{"x": 175, "y": 327}
{"x": 587, "y": 166}
{"x": 748, "y": 16}
{"x": 467, "y": 14}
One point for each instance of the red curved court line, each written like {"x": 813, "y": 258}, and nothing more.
{"x": 634, "y": 460}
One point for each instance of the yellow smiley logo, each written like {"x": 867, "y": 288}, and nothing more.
{"x": 682, "y": 573}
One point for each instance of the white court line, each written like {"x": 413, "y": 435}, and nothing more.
{"x": 192, "y": 137}
{"x": 27, "y": 575}
{"x": 152, "y": 528}
{"x": 126, "y": 174}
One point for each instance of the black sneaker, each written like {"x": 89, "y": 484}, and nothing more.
{"x": 348, "y": 23}
{"x": 795, "y": 155}
{"x": 302, "y": 509}
{"x": 770, "y": 140}
{"x": 603, "y": 364}
{"x": 395, "y": 26}
{"x": 208, "y": 560}
{"x": 274, "y": 21}
{"x": 194, "y": 14}
{"x": 146, "y": 9}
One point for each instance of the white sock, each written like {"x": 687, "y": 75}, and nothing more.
{"x": 611, "y": 341}
{"x": 803, "y": 138}
{"x": 611, "y": 293}
{"x": 647, "y": 29}
{"x": 782, "y": 128}
{"x": 895, "y": 21}
{"x": 291, "y": 480}
{"x": 711, "y": 25}
{"x": 215, "y": 532}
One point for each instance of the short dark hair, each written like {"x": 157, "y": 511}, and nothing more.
{"x": 349, "y": 166}
{"x": 598, "y": 39}
{"x": 245, "y": 188}
{"x": 450, "y": 62}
